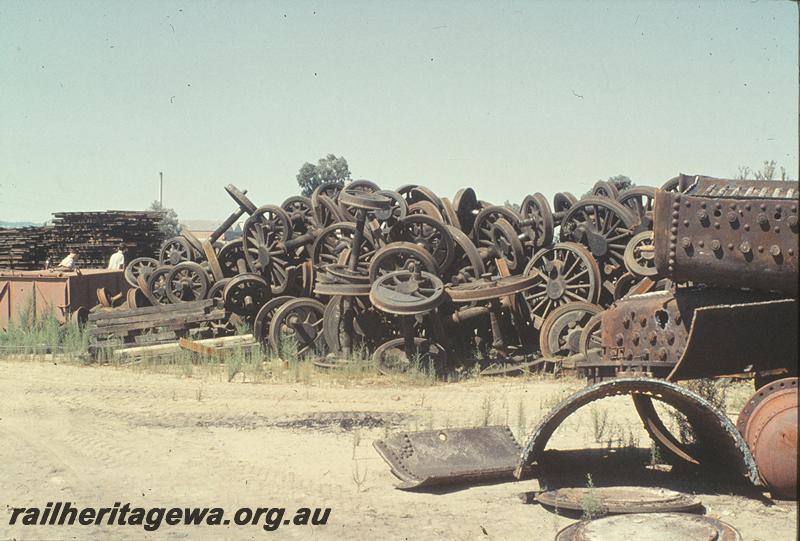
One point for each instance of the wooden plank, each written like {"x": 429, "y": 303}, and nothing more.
{"x": 174, "y": 323}
{"x": 174, "y": 347}
{"x": 160, "y": 309}
{"x": 149, "y": 317}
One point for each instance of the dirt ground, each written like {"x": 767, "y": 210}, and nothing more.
{"x": 98, "y": 435}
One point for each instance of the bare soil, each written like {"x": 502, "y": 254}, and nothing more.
{"x": 95, "y": 435}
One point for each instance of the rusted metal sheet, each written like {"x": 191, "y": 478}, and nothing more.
{"x": 729, "y": 339}
{"x": 59, "y": 293}
{"x": 736, "y": 330}
{"x": 718, "y": 443}
{"x": 741, "y": 189}
{"x": 450, "y": 456}
{"x": 746, "y": 241}
{"x": 769, "y": 425}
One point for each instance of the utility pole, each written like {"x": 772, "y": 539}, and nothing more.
{"x": 161, "y": 188}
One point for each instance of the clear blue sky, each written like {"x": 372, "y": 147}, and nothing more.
{"x": 508, "y": 97}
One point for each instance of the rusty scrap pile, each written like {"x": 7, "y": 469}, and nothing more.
{"x": 96, "y": 235}
{"x": 409, "y": 275}
{"x": 24, "y": 248}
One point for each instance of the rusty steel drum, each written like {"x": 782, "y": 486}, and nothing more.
{"x": 768, "y": 423}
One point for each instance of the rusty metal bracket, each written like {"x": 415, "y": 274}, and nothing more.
{"x": 718, "y": 442}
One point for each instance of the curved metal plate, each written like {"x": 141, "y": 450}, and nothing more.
{"x": 719, "y": 443}
{"x": 447, "y": 456}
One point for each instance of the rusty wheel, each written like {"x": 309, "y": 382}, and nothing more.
{"x": 157, "y": 285}
{"x": 449, "y": 213}
{"x": 326, "y": 211}
{"x": 506, "y": 245}
{"x": 467, "y": 207}
{"x": 430, "y": 234}
{"x": 187, "y": 281}
{"x": 536, "y": 209}
{"x": 605, "y": 189}
{"x": 640, "y": 255}
{"x": 231, "y": 258}
{"x": 407, "y": 292}
{"x": 563, "y": 201}
{"x": 591, "y": 340}
{"x": 245, "y": 294}
{"x": 486, "y": 289}
{"x": 467, "y": 264}
{"x": 300, "y": 212}
{"x": 296, "y": 328}
{"x": 569, "y": 273}
{"x": 263, "y": 319}
{"x": 482, "y": 228}
{"x": 561, "y": 331}
{"x": 175, "y": 250}
{"x": 400, "y": 355}
{"x": 141, "y": 266}
{"x": 369, "y": 324}
{"x": 640, "y": 201}
{"x": 216, "y": 291}
{"x": 263, "y": 238}
{"x": 605, "y": 227}
{"x": 426, "y": 208}
{"x": 336, "y": 240}
{"x": 136, "y": 298}
{"x": 241, "y": 199}
{"x": 399, "y": 256}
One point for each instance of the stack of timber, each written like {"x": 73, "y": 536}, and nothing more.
{"x": 112, "y": 329}
{"x": 24, "y": 248}
{"x": 96, "y": 235}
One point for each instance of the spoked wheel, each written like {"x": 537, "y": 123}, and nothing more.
{"x": 561, "y": 332}
{"x": 428, "y": 233}
{"x": 640, "y": 255}
{"x": 591, "y": 339}
{"x": 263, "y": 238}
{"x": 263, "y": 319}
{"x": 326, "y": 211}
{"x": 426, "y": 208}
{"x": 141, "y": 266}
{"x": 569, "y": 273}
{"x": 157, "y": 285}
{"x": 640, "y": 202}
{"x": 337, "y": 239}
{"x": 563, "y": 201}
{"x": 506, "y": 244}
{"x": 216, "y": 291}
{"x": 605, "y": 227}
{"x": 245, "y": 294}
{"x": 231, "y": 258}
{"x": 187, "y": 281}
{"x": 175, "y": 250}
{"x": 300, "y": 212}
{"x": 536, "y": 209}
{"x": 449, "y": 213}
{"x": 401, "y": 355}
{"x": 467, "y": 264}
{"x": 327, "y": 189}
{"x": 386, "y": 218}
{"x": 605, "y": 189}
{"x": 368, "y": 325}
{"x": 296, "y": 327}
{"x": 399, "y": 256}
{"x": 407, "y": 293}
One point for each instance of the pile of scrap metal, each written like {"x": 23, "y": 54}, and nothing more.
{"x": 728, "y": 250}
{"x": 407, "y": 274}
